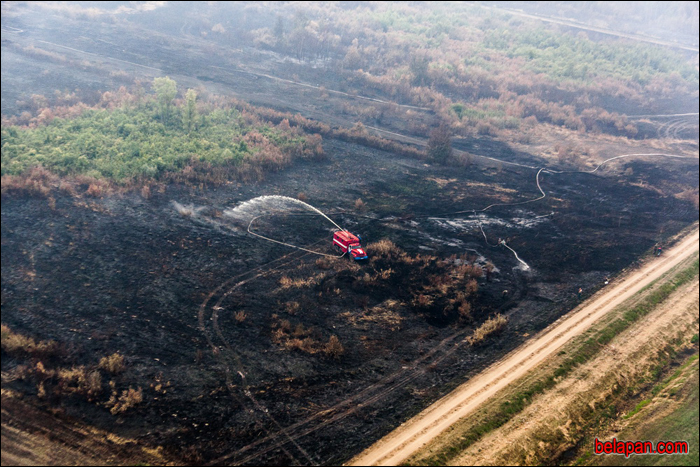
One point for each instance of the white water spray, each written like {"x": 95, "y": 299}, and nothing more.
{"x": 188, "y": 210}
{"x": 257, "y": 206}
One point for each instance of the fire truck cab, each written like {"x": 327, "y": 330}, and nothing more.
{"x": 350, "y": 244}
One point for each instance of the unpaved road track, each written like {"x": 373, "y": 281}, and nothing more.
{"x": 625, "y": 356}
{"x": 415, "y": 433}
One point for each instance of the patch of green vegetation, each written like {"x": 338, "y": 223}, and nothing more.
{"x": 680, "y": 425}
{"x": 582, "y": 460}
{"x": 637, "y": 408}
{"x": 680, "y": 422}
{"x": 145, "y": 140}
{"x": 660, "y": 387}
{"x": 586, "y": 352}
{"x": 562, "y": 57}
{"x": 567, "y": 57}
{"x": 470, "y": 113}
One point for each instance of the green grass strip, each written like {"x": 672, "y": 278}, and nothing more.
{"x": 661, "y": 386}
{"x": 638, "y": 407}
{"x": 586, "y": 352}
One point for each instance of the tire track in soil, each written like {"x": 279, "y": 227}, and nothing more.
{"x": 231, "y": 351}
{"x": 677, "y": 128}
{"x": 673, "y": 128}
{"x": 216, "y": 350}
{"x": 294, "y": 432}
{"x": 384, "y": 386}
{"x": 33, "y": 436}
{"x": 364, "y": 394}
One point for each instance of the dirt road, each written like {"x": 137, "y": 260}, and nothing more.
{"x": 402, "y": 442}
{"x": 628, "y": 356}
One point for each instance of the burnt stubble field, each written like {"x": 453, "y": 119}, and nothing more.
{"x": 252, "y": 352}
{"x": 164, "y": 288}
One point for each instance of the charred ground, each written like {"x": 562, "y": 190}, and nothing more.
{"x": 190, "y": 300}
{"x": 231, "y": 337}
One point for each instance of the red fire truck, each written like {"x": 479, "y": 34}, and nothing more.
{"x": 350, "y": 244}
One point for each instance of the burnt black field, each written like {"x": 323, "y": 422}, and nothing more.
{"x": 164, "y": 286}
{"x": 136, "y": 276}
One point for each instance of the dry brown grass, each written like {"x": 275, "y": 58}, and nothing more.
{"x": 19, "y": 345}
{"x": 383, "y": 247}
{"x": 472, "y": 287}
{"x": 351, "y": 266}
{"x": 603, "y": 392}
{"x": 296, "y": 337}
{"x": 422, "y": 301}
{"x": 385, "y": 315}
{"x": 465, "y": 311}
{"x": 469, "y": 270}
{"x": 288, "y": 283}
{"x": 113, "y": 364}
{"x": 77, "y": 380}
{"x": 129, "y": 398}
{"x": 490, "y": 326}
{"x": 324, "y": 263}
{"x": 292, "y": 307}
{"x": 38, "y": 182}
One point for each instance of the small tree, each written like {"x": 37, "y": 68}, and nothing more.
{"x": 489, "y": 267}
{"x": 419, "y": 70}
{"x": 334, "y": 348}
{"x": 459, "y": 110}
{"x": 439, "y": 145}
{"x": 166, "y": 90}
{"x": 352, "y": 60}
{"x": 359, "y": 129}
{"x": 189, "y": 113}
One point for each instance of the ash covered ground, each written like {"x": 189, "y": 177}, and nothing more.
{"x": 198, "y": 306}
{"x": 227, "y": 333}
